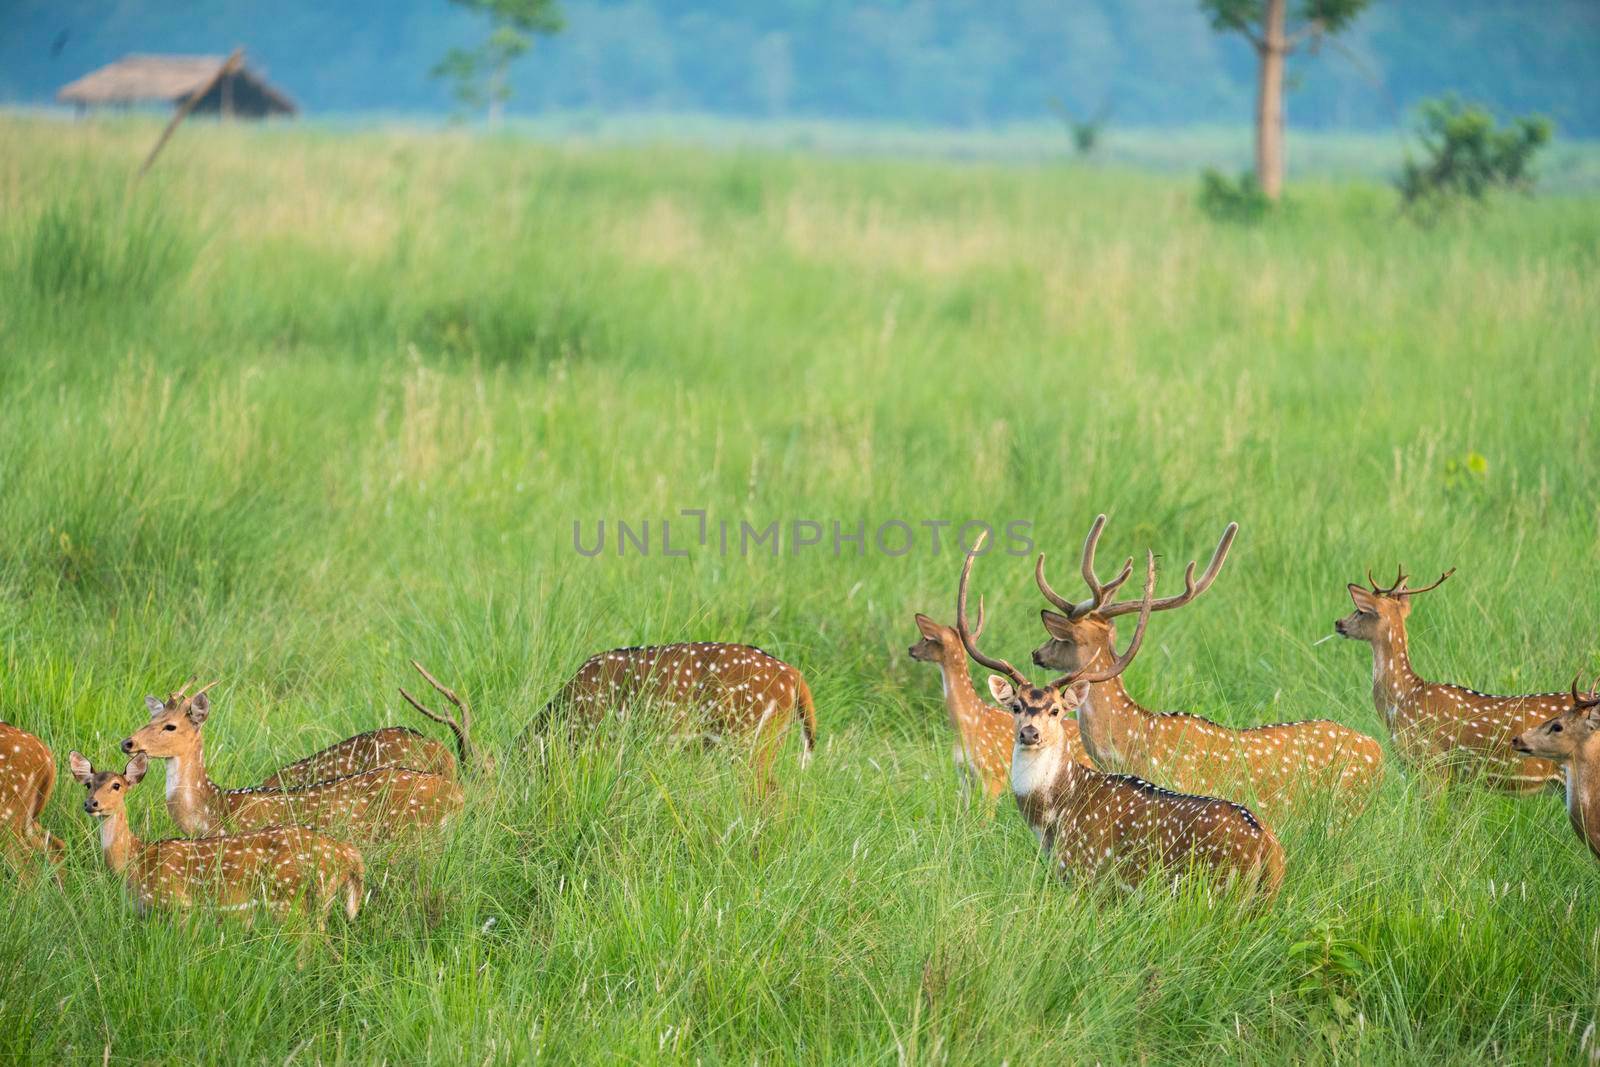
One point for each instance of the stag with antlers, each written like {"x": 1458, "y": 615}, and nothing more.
{"x": 1273, "y": 764}
{"x": 1436, "y": 724}
{"x": 1095, "y": 825}
{"x": 1572, "y": 740}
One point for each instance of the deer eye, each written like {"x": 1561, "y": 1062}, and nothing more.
{"x": 170, "y": 726}
{"x": 1054, "y": 712}
{"x": 1555, "y": 728}
{"x": 116, "y": 785}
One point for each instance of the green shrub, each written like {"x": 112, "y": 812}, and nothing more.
{"x": 1468, "y": 155}
{"x": 1227, "y": 200}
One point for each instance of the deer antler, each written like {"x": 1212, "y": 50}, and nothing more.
{"x": 1120, "y": 663}
{"x": 461, "y": 729}
{"x": 1098, "y": 592}
{"x": 175, "y": 698}
{"x": 968, "y": 637}
{"x": 1191, "y": 588}
{"x": 1591, "y": 699}
{"x": 1399, "y": 587}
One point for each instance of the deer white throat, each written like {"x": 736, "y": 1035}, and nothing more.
{"x": 1034, "y": 769}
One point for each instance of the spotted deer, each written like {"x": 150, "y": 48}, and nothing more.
{"x": 1572, "y": 740}
{"x": 1095, "y": 825}
{"x": 708, "y": 691}
{"x": 1272, "y": 765}
{"x": 276, "y": 867}
{"x": 391, "y": 746}
{"x": 27, "y": 777}
{"x": 1460, "y": 731}
{"x": 982, "y": 751}
{"x": 369, "y": 806}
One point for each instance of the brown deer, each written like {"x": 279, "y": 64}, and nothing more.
{"x": 982, "y": 751}
{"x": 391, "y": 746}
{"x": 1461, "y": 731}
{"x": 1572, "y": 739}
{"x": 27, "y": 776}
{"x": 709, "y": 691}
{"x": 1094, "y": 824}
{"x": 276, "y": 867}
{"x": 370, "y": 806}
{"x": 1272, "y": 765}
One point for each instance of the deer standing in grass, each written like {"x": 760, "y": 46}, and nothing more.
{"x": 707, "y": 691}
{"x": 1462, "y": 731}
{"x": 982, "y": 751}
{"x": 276, "y": 867}
{"x": 27, "y": 776}
{"x": 1572, "y": 740}
{"x": 1093, "y": 824}
{"x": 1272, "y": 765}
{"x": 391, "y": 746}
{"x": 370, "y": 806}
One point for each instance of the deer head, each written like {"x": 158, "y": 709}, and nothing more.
{"x": 1381, "y": 611}
{"x": 174, "y": 726}
{"x": 107, "y": 789}
{"x": 1040, "y": 710}
{"x": 941, "y": 644}
{"x": 1082, "y": 634}
{"x": 1560, "y": 738}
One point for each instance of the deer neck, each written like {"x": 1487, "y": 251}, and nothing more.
{"x": 1583, "y": 792}
{"x": 1393, "y": 680}
{"x": 1043, "y": 780}
{"x": 1110, "y": 720}
{"x": 961, "y": 700}
{"x": 117, "y": 842}
{"x": 193, "y": 798}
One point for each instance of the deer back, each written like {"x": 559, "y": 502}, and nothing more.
{"x": 391, "y": 746}
{"x": 372, "y": 805}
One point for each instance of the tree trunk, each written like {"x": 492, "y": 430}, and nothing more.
{"x": 1272, "y": 49}
{"x": 497, "y": 92}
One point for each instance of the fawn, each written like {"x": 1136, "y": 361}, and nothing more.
{"x": 27, "y": 777}
{"x": 1094, "y": 824}
{"x": 274, "y": 867}
{"x": 710, "y": 691}
{"x": 371, "y": 806}
{"x": 1570, "y": 739}
{"x": 1465, "y": 732}
{"x": 391, "y": 746}
{"x": 1272, "y": 764}
{"x": 982, "y": 751}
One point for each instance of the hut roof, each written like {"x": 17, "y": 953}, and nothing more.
{"x": 146, "y": 78}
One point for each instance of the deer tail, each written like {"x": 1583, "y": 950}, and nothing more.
{"x": 806, "y": 711}
{"x": 1269, "y": 866}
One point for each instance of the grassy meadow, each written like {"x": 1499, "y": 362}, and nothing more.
{"x": 307, "y": 403}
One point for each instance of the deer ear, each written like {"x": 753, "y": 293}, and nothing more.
{"x": 155, "y": 705}
{"x": 80, "y": 767}
{"x": 929, "y": 628}
{"x": 199, "y": 708}
{"x": 134, "y": 771}
{"x": 1363, "y": 597}
{"x": 1075, "y": 694}
{"x": 1001, "y": 689}
{"x": 1056, "y": 625}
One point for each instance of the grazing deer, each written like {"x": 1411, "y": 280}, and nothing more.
{"x": 982, "y": 752}
{"x": 1094, "y": 824}
{"x": 1572, "y": 739}
{"x": 1273, "y": 764}
{"x": 391, "y": 746}
{"x": 709, "y": 691}
{"x": 27, "y": 776}
{"x": 1462, "y": 731}
{"x": 275, "y": 867}
{"x": 370, "y": 806}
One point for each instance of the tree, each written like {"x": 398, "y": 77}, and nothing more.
{"x": 1264, "y": 24}
{"x": 1468, "y": 155}
{"x": 1085, "y": 132}
{"x": 479, "y": 73}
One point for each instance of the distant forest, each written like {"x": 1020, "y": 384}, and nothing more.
{"x": 924, "y": 62}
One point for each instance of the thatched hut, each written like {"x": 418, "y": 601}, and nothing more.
{"x": 172, "y": 80}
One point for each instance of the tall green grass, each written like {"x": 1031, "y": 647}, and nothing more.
{"x": 308, "y": 405}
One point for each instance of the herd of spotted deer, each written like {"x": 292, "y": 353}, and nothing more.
{"x": 1112, "y": 790}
